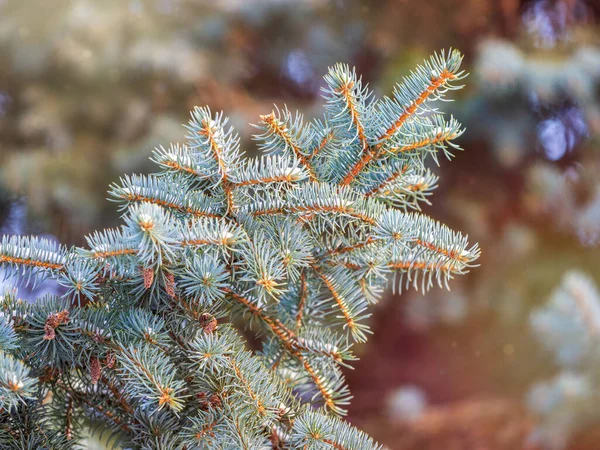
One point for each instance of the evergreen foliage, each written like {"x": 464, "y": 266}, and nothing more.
{"x": 568, "y": 326}
{"x": 295, "y": 245}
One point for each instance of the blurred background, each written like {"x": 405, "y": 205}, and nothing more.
{"x": 510, "y": 357}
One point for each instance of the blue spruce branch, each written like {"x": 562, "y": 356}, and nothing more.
{"x": 296, "y": 245}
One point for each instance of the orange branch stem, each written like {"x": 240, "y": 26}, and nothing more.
{"x": 279, "y": 179}
{"x": 187, "y": 210}
{"x": 350, "y": 104}
{"x": 338, "y": 251}
{"x": 109, "y": 254}
{"x": 435, "y": 83}
{"x": 30, "y": 262}
{"x": 289, "y": 340}
{"x": 452, "y": 254}
{"x": 387, "y": 181}
{"x": 440, "y": 137}
{"x": 375, "y": 152}
{"x": 322, "y": 144}
{"x": 175, "y": 165}
{"x": 227, "y": 187}
{"x": 315, "y": 209}
{"x": 302, "y": 302}
{"x": 281, "y": 131}
{"x": 336, "y": 297}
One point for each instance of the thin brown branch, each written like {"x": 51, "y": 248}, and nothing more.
{"x": 381, "y": 186}
{"x": 373, "y": 153}
{"x": 346, "y": 91}
{"x": 227, "y": 186}
{"x": 170, "y": 205}
{"x": 302, "y": 303}
{"x": 336, "y": 297}
{"x": 277, "y": 128}
{"x": 30, "y": 262}
{"x": 310, "y": 210}
{"x": 326, "y": 139}
{"x": 289, "y": 341}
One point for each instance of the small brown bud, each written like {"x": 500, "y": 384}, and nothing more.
{"x": 95, "y": 369}
{"x": 209, "y": 400}
{"x": 215, "y": 401}
{"x": 201, "y": 396}
{"x": 275, "y": 439}
{"x": 148, "y": 275}
{"x": 110, "y": 360}
{"x": 170, "y": 284}
{"x": 208, "y": 323}
{"x": 49, "y": 332}
{"x": 53, "y": 321}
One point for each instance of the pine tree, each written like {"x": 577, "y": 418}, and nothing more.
{"x": 295, "y": 246}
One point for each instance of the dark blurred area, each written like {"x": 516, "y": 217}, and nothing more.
{"x": 88, "y": 88}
